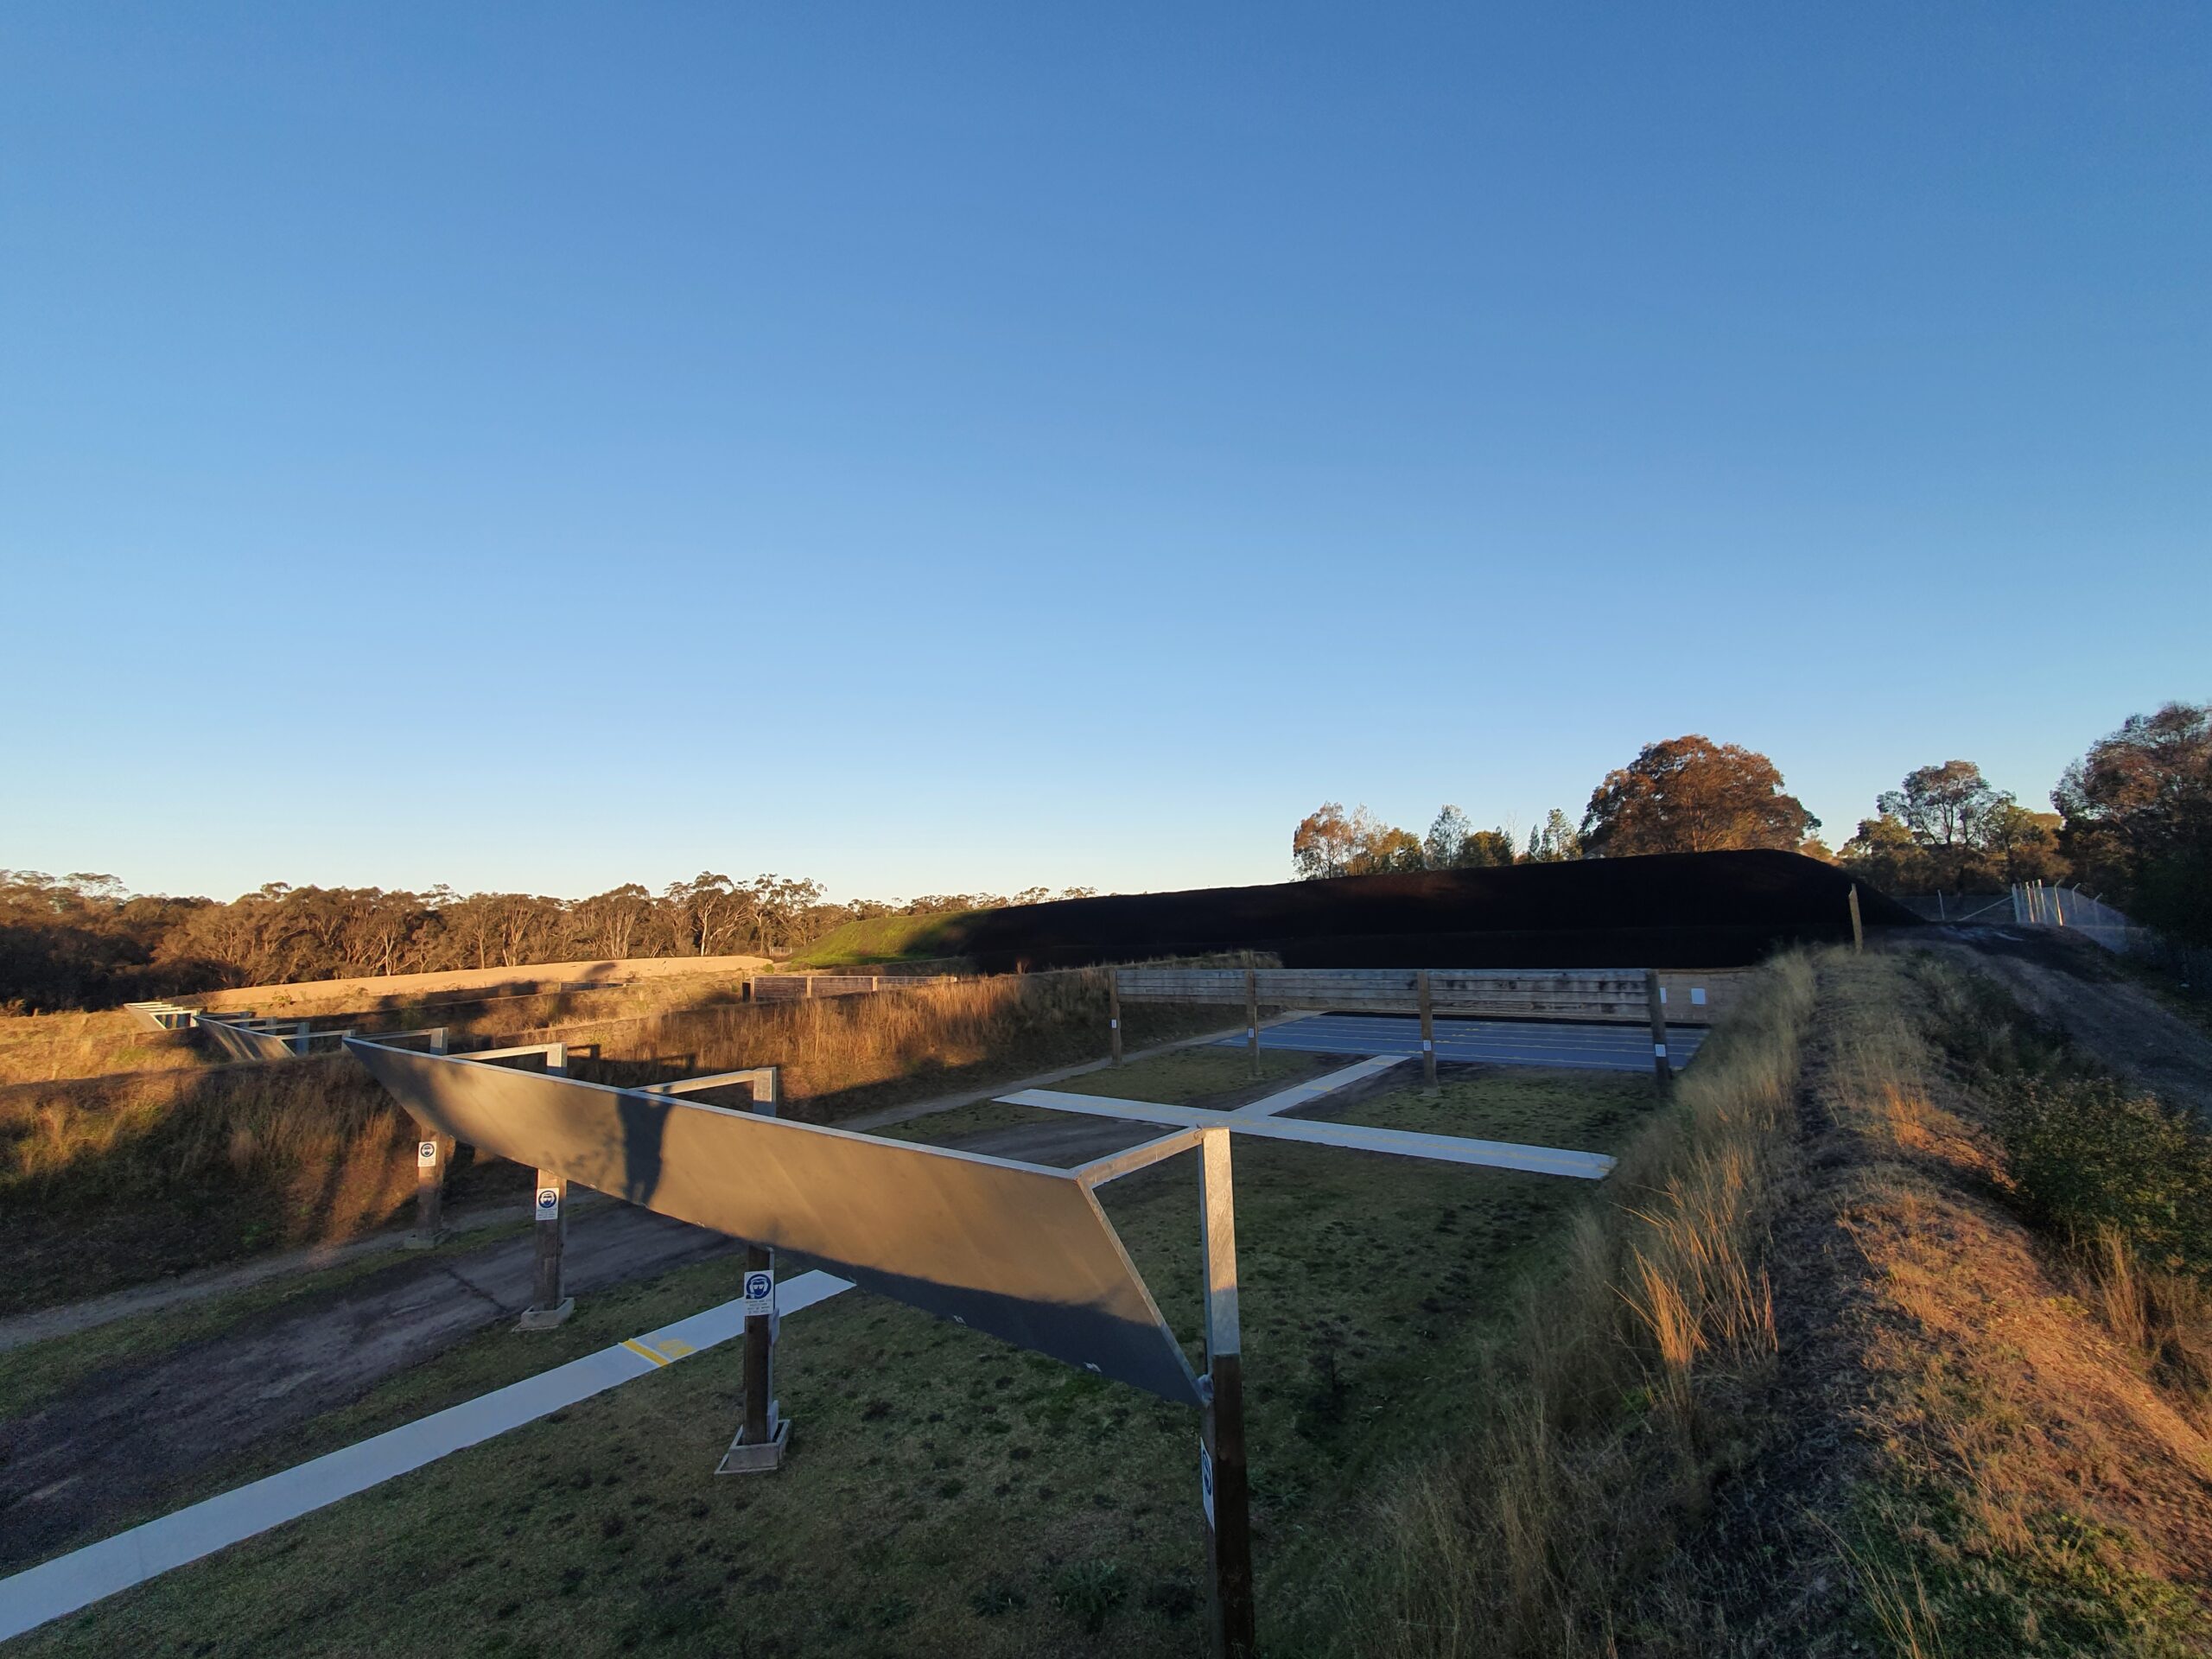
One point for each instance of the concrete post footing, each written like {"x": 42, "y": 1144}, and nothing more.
{"x": 760, "y": 1458}
{"x": 546, "y": 1318}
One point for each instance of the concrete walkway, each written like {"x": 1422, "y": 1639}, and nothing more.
{"x": 56, "y": 1588}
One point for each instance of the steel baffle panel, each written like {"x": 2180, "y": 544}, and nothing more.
{"x": 1020, "y": 1251}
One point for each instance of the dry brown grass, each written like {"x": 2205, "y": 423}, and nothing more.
{"x": 111, "y": 1180}
{"x": 42, "y": 1047}
{"x": 1606, "y": 1417}
{"x": 846, "y": 1054}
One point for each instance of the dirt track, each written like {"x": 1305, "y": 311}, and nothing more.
{"x": 77, "y": 1468}
{"x": 2071, "y": 983}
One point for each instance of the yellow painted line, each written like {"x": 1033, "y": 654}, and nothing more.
{"x": 636, "y": 1347}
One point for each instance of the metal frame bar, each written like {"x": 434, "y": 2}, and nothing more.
{"x": 1070, "y": 1290}
{"x": 1351, "y": 1137}
{"x": 1114, "y": 1166}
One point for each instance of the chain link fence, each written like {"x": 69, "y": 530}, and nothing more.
{"x": 2038, "y": 904}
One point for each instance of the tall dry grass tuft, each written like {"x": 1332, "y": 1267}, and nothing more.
{"x": 1599, "y": 1424}
{"x": 319, "y": 1130}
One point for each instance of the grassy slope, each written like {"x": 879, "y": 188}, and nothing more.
{"x": 41, "y": 1047}
{"x": 948, "y": 1494}
{"x": 883, "y": 938}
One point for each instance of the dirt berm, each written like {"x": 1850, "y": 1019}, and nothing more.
{"x": 1677, "y": 910}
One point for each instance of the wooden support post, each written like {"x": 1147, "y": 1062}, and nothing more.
{"x": 1858, "y": 933}
{"x": 550, "y": 1210}
{"x": 1654, "y": 999}
{"x": 761, "y": 1443}
{"x": 1252, "y": 1018}
{"x": 432, "y": 1152}
{"x": 1427, "y": 1035}
{"x": 1114, "y": 1010}
{"x": 1224, "y": 1489}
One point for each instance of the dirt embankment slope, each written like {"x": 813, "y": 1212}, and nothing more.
{"x": 2070, "y": 983}
{"x": 1961, "y": 1451}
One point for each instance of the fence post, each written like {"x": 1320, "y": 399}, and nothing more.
{"x": 1427, "y": 1035}
{"x": 1252, "y": 1018}
{"x": 548, "y": 1307}
{"x": 760, "y": 1444}
{"x": 1858, "y": 933}
{"x": 1223, "y": 1489}
{"x": 431, "y": 1154}
{"x": 1114, "y": 1010}
{"x": 1654, "y": 999}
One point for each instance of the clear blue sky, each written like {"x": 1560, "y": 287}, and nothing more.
{"x": 942, "y": 448}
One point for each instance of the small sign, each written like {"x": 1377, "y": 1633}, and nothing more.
{"x": 549, "y": 1204}
{"x": 1112, "y": 1025}
{"x": 1426, "y": 1046}
{"x": 759, "y": 1292}
{"x": 1659, "y": 1051}
{"x": 426, "y": 1156}
{"x": 1206, "y": 1481}
{"x": 1662, "y": 994}
{"x": 1697, "y": 996}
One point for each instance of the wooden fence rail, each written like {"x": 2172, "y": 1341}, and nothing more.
{"x": 1693, "y": 998}
{"x": 793, "y": 988}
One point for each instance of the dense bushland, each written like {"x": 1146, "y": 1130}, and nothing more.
{"x": 83, "y": 941}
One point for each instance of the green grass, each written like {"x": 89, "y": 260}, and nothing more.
{"x": 946, "y": 1493}
{"x": 885, "y": 939}
{"x": 1200, "y": 1077}
{"x": 1184, "y": 1077}
{"x": 1532, "y": 1107}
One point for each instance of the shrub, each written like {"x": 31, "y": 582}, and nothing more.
{"x": 2090, "y": 1158}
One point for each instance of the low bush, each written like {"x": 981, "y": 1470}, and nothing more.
{"x": 2094, "y": 1160}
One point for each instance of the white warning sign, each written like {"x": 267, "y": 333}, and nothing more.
{"x": 549, "y": 1204}
{"x": 426, "y": 1155}
{"x": 759, "y": 1292}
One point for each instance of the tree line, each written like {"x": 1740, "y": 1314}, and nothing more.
{"x": 2132, "y": 821}
{"x": 84, "y": 941}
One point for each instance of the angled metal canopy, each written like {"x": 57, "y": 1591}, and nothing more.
{"x": 1352, "y": 1137}
{"x": 1022, "y": 1251}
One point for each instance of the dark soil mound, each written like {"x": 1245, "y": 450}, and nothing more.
{"x": 1673, "y": 910}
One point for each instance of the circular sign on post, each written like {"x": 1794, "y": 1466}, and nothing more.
{"x": 548, "y": 1203}
{"x": 759, "y": 1292}
{"x": 426, "y": 1153}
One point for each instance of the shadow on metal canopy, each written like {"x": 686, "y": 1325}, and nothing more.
{"x": 1021, "y": 1251}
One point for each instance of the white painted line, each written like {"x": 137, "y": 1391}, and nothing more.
{"x": 55, "y": 1588}
{"x": 1405, "y": 1143}
{"x": 1306, "y": 1093}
